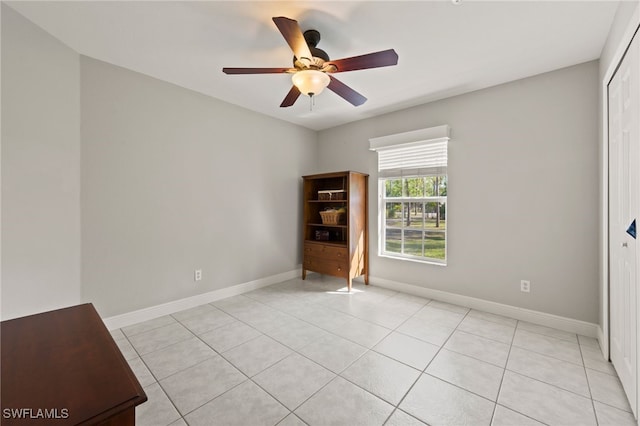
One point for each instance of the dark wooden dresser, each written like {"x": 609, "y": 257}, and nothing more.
{"x": 64, "y": 368}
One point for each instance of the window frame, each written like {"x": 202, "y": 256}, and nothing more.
{"x": 403, "y": 200}
{"x": 409, "y": 155}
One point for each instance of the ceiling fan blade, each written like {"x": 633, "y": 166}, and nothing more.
{"x": 291, "y": 97}
{"x": 257, "y": 70}
{"x": 383, "y": 58}
{"x": 293, "y": 35}
{"x": 346, "y": 92}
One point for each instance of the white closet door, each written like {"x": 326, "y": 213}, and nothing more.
{"x": 624, "y": 191}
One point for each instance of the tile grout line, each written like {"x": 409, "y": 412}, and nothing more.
{"x": 542, "y": 381}
{"x": 593, "y": 404}
{"x": 504, "y": 370}
{"x": 429, "y": 363}
{"x": 546, "y": 354}
{"x": 474, "y": 357}
{"x": 397, "y": 406}
{"x": 158, "y": 381}
{"x": 292, "y": 411}
{"x": 247, "y": 378}
{"x": 379, "y": 397}
{"x": 549, "y": 384}
{"x": 396, "y": 409}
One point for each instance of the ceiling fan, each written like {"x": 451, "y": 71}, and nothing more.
{"x": 312, "y": 67}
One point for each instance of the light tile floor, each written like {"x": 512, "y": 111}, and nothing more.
{"x": 308, "y": 352}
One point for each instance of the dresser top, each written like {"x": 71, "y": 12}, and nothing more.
{"x": 65, "y": 360}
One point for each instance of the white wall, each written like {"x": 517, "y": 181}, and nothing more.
{"x": 173, "y": 180}
{"x": 40, "y": 170}
{"x": 523, "y": 199}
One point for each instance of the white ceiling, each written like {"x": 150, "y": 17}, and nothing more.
{"x": 444, "y": 49}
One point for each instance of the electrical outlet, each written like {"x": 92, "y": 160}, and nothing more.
{"x": 197, "y": 275}
{"x": 525, "y": 286}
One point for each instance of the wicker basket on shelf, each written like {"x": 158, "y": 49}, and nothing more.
{"x": 331, "y": 217}
{"x": 332, "y": 194}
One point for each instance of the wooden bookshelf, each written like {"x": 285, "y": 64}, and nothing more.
{"x": 337, "y": 249}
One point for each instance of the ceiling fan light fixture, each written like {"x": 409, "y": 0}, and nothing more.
{"x": 310, "y": 82}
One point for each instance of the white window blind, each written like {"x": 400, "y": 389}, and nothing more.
{"x": 418, "y": 153}
{"x": 420, "y": 159}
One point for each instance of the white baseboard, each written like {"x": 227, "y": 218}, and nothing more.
{"x": 541, "y": 318}
{"x": 549, "y": 320}
{"x": 604, "y": 343}
{"x": 152, "y": 312}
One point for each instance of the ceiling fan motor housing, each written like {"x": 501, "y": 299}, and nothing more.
{"x": 312, "y": 37}
{"x": 319, "y": 53}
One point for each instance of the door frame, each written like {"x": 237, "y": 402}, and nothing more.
{"x": 633, "y": 26}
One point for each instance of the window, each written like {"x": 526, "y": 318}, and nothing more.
{"x": 412, "y": 173}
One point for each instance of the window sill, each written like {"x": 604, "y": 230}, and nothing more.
{"x": 414, "y": 260}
